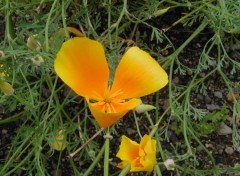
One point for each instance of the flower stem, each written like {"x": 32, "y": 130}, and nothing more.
{"x": 47, "y": 24}
{"x": 174, "y": 55}
{"x": 9, "y": 24}
{"x": 157, "y": 170}
{"x": 125, "y": 170}
{"x": 137, "y": 125}
{"x": 95, "y": 161}
{"x": 106, "y": 155}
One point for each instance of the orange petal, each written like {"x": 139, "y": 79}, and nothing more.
{"x": 82, "y": 65}
{"x": 128, "y": 150}
{"x": 138, "y": 74}
{"x": 107, "y": 119}
{"x": 148, "y": 162}
{"x": 148, "y": 145}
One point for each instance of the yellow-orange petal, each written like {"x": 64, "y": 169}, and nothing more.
{"x": 148, "y": 162}
{"x": 82, "y": 65}
{"x": 122, "y": 164}
{"x": 148, "y": 147}
{"x": 148, "y": 144}
{"x": 128, "y": 150}
{"x": 138, "y": 74}
{"x": 107, "y": 119}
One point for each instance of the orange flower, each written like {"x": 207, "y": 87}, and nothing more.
{"x": 141, "y": 157}
{"x": 82, "y": 65}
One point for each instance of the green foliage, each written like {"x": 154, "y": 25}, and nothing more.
{"x": 42, "y": 105}
{"x": 208, "y": 124}
{"x": 211, "y": 122}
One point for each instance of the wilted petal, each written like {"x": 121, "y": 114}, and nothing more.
{"x": 107, "y": 119}
{"x": 138, "y": 74}
{"x": 82, "y": 65}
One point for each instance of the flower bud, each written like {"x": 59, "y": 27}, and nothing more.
{"x": 2, "y": 54}
{"x": 58, "y": 143}
{"x": 144, "y": 108}
{"x": 169, "y": 164}
{"x": 38, "y": 60}
{"x": 6, "y": 88}
{"x": 33, "y": 43}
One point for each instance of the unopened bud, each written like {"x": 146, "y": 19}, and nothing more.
{"x": 33, "y": 43}
{"x": 144, "y": 108}
{"x": 6, "y": 88}
{"x": 58, "y": 143}
{"x": 169, "y": 164}
{"x": 2, "y": 54}
{"x": 38, "y": 60}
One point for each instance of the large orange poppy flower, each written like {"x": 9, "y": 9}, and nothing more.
{"x": 82, "y": 65}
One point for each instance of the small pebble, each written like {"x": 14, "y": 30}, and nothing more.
{"x": 199, "y": 97}
{"x": 172, "y": 137}
{"x": 213, "y": 107}
{"x": 229, "y": 150}
{"x": 4, "y": 131}
{"x": 220, "y": 151}
{"x": 175, "y": 80}
{"x": 130, "y": 131}
{"x": 218, "y": 94}
{"x": 199, "y": 148}
{"x": 208, "y": 99}
{"x": 224, "y": 129}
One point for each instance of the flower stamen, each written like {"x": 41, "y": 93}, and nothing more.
{"x": 106, "y": 103}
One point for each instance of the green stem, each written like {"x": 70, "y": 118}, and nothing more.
{"x": 174, "y": 55}
{"x": 12, "y": 118}
{"x": 185, "y": 17}
{"x": 157, "y": 105}
{"x": 158, "y": 171}
{"x": 136, "y": 122}
{"x": 109, "y": 24}
{"x": 155, "y": 128}
{"x": 9, "y": 24}
{"x": 47, "y": 24}
{"x": 125, "y": 170}
{"x": 64, "y": 20}
{"x": 106, "y": 155}
{"x": 85, "y": 4}
{"x": 96, "y": 160}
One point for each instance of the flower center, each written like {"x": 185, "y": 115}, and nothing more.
{"x": 107, "y": 102}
